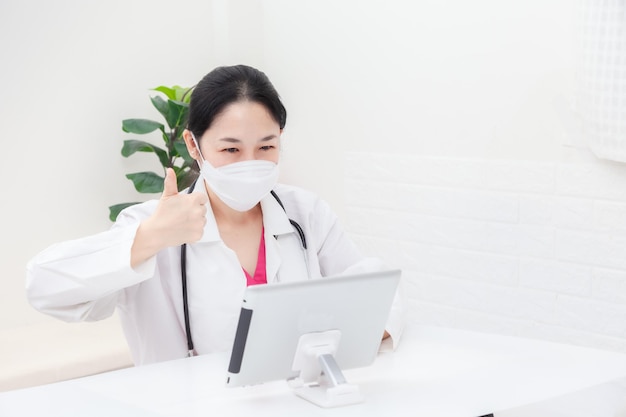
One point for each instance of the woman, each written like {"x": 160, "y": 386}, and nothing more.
{"x": 235, "y": 231}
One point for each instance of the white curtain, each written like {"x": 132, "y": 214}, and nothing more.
{"x": 601, "y": 96}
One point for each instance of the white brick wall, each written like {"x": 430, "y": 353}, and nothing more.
{"x": 526, "y": 248}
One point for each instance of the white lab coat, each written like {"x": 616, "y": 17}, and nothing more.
{"x": 86, "y": 279}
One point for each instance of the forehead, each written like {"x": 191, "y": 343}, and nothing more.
{"x": 243, "y": 123}
{"x": 244, "y": 115}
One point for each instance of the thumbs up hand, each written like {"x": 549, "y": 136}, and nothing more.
{"x": 170, "y": 187}
{"x": 178, "y": 219}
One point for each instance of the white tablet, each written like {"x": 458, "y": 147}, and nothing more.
{"x": 350, "y": 311}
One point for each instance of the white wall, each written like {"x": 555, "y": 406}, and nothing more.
{"x": 72, "y": 70}
{"x": 525, "y": 248}
{"x": 482, "y": 80}
{"x": 473, "y": 174}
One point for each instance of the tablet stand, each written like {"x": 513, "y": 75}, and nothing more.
{"x": 321, "y": 380}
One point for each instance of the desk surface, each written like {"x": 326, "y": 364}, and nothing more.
{"x": 434, "y": 372}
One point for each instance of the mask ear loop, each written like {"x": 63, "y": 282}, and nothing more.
{"x": 195, "y": 141}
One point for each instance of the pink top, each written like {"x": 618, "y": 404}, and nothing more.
{"x": 260, "y": 275}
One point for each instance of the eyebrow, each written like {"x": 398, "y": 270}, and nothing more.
{"x": 234, "y": 140}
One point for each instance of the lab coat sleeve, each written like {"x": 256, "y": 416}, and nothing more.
{"x": 338, "y": 254}
{"x": 84, "y": 279}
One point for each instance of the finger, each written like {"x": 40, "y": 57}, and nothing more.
{"x": 170, "y": 187}
{"x": 200, "y": 198}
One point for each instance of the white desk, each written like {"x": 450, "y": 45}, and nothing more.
{"x": 435, "y": 372}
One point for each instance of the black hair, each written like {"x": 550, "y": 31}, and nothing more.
{"x": 226, "y": 85}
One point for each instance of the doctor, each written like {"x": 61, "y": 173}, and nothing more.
{"x": 236, "y": 233}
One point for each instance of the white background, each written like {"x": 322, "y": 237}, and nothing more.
{"x": 487, "y": 80}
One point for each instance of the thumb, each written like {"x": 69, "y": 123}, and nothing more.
{"x": 170, "y": 187}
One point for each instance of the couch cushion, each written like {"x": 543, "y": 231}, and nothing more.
{"x": 56, "y": 351}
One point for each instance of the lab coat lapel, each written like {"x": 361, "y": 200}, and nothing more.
{"x": 283, "y": 254}
{"x": 272, "y": 257}
{"x": 276, "y": 223}
{"x": 211, "y": 232}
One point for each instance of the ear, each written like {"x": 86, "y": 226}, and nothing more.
{"x": 191, "y": 146}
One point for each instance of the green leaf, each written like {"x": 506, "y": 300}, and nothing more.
{"x": 181, "y": 150}
{"x": 160, "y": 105}
{"x": 141, "y": 126}
{"x": 176, "y": 113}
{"x": 182, "y": 94}
{"x": 166, "y": 138}
{"x": 146, "y": 182}
{"x": 176, "y": 92}
{"x": 169, "y": 92}
{"x": 115, "y": 209}
{"x": 185, "y": 177}
{"x": 133, "y": 145}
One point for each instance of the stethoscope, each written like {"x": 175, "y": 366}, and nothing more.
{"x": 183, "y": 269}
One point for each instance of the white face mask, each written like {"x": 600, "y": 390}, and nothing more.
{"x": 240, "y": 185}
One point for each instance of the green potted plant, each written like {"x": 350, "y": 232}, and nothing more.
{"x": 174, "y": 108}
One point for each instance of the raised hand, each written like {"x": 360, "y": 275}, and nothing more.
{"x": 178, "y": 219}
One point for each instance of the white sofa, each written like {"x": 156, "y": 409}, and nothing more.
{"x": 55, "y": 351}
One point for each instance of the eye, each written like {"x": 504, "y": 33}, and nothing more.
{"x": 230, "y": 150}
{"x": 267, "y": 148}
